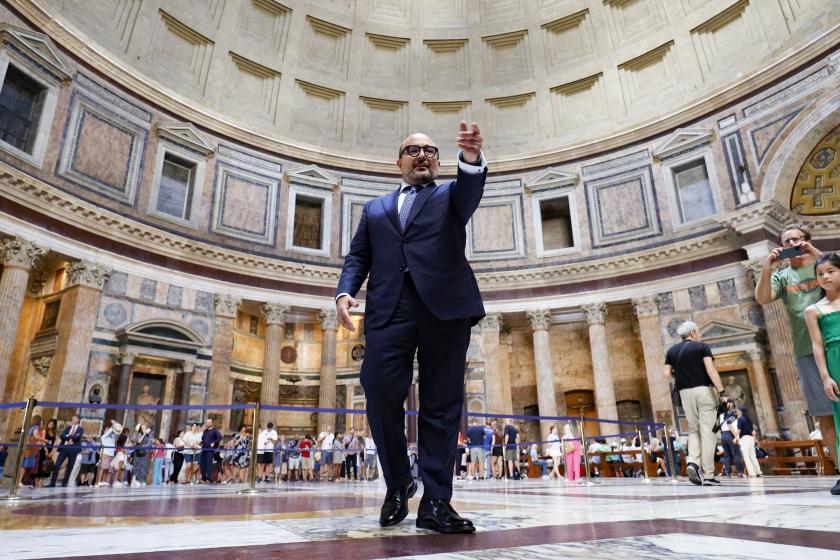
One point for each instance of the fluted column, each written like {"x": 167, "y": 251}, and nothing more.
{"x": 596, "y": 316}
{"x": 275, "y": 316}
{"x": 506, "y": 347}
{"x": 326, "y": 391}
{"x": 781, "y": 348}
{"x": 126, "y": 361}
{"x": 491, "y": 324}
{"x": 77, "y": 321}
{"x": 546, "y": 399}
{"x": 182, "y": 397}
{"x": 647, "y": 313}
{"x": 19, "y": 256}
{"x": 218, "y": 386}
{"x": 768, "y": 422}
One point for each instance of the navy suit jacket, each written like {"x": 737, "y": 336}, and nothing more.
{"x": 431, "y": 249}
{"x": 73, "y": 441}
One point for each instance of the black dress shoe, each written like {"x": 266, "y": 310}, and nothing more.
{"x": 438, "y": 515}
{"x": 395, "y": 507}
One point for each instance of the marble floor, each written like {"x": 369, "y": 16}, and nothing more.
{"x": 768, "y": 518}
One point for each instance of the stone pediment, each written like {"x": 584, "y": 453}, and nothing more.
{"x": 552, "y": 178}
{"x": 186, "y": 135}
{"x": 314, "y": 176}
{"x": 681, "y": 140}
{"x": 38, "y": 47}
{"x": 716, "y": 332}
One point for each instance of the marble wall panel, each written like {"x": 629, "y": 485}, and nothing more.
{"x": 622, "y": 207}
{"x": 245, "y": 202}
{"x": 116, "y": 284}
{"x": 728, "y": 293}
{"x": 103, "y": 143}
{"x": 763, "y": 137}
{"x": 248, "y": 349}
{"x": 571, "y": 358}
{"x": 486, "y": 239}
{"x": 523, "y": 379}
{"x": 114, "y": 313}
{"x": 730, "y": 313}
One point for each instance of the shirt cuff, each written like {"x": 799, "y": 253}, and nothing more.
{"x": 341, "y": 295}
{"x": 469, "y": 167}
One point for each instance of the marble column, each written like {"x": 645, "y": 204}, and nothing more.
{"x": 546, "y": 398}
{"x": 19, "y": 256}
{"x": 275, "y": 316}
{"x": 182, "y": 397}
{"x": 781, "y": 349}
{"x": 766, "y": 412}
{"x": 647, "y": 313}
{"x": 326, "y": 391}
{"x": 218, "y": 385}
{"x": 596, "y": 316}
{"x": 506, "y": 348}
{"x": 126, "y": 361}
{"x": 493, "y": 387}
{"x": 77, "y": 320}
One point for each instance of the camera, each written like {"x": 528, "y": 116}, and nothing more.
{"x": 790, "y": 253}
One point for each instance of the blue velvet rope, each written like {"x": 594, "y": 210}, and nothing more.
{"x": 12, "y": 405}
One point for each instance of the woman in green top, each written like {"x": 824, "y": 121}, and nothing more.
{"x": 823, "y": 320}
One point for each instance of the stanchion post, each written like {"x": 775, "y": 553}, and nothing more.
{"x": 670, "y": 456}
{"x": 642, "y": 449}
{"x": 252, "y": 467}
{"x": 585, "y": 454}
{"x": 24, "y": 432}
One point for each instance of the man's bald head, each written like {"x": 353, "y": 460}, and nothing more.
{"x": 421, "y": 169}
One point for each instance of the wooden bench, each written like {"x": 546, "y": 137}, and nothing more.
{"x": 789, "y": 457}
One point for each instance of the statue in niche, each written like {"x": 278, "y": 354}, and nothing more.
{"x": 146, "y": 417}
{"x": 735, "y": 392}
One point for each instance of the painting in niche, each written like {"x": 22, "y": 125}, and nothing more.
{"x": 307, "y": 224}
{"x": 737, "y": 387}
{"x": 146, "y": 390}
{"x": 50, "y": 315}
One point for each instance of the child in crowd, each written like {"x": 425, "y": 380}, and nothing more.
{"x": 158, "y": 455}
{"x": 823, "y": 320}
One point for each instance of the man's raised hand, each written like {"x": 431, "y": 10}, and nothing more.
{"x": 469, "y": 141}
{"x": 342, "y": 308}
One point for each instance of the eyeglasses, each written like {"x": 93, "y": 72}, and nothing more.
{"x": 414, "y": 151}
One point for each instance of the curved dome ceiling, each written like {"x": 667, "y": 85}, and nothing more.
{"x": 344, "y": 81}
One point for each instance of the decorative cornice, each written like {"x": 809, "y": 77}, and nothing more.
{"x": 539, "y": 319}
{"x": 328, "y": 318}
{"x": 275, "y": 313}
{"x": 753, "y": 267}
{"x": 84, "y": 273}
{"x": 646, "y": 306}
{"x": 225, "y": 305}
{"x": 21, "y": 253}
{"x": 770, "y": 216}
{"x": 492, "y": 322}
{"x": 596, "y": 313}
{"x": 39, "y": 48}
{"x": 186, "y": 135}
{"x": 126, "y": 358}
{"x": 681, "y": 140}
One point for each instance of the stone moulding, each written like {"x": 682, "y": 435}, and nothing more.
{"x": 45, "y": 18}
{"x": 51, "y": 201}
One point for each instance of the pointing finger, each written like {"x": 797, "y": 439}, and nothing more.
{"x": 475, "y": 129}
{"x": 462, "y": 126}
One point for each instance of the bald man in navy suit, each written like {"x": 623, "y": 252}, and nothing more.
{"x": 422, "y": 297}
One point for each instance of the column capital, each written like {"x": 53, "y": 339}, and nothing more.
{"x": 275, "y": 313}
{"x": 21, "y": 253}
{"x": 753, "y": 267}
{"x": 188, "y": 366}
{"x": 225, "y": 305}
{"x": 492, "y": 322}
{"x": 646, "y": 306}
{"x": 328, "y": 318}
{"x": 596, "y": 313}
{"x": 756, "y": 354}
{"x": 37, "y": 281}
{"x": 126, "y": 358}
{"x": 86, "y": 273}
{"x": 42, "y": 364}
{"x": 539, "y": 319}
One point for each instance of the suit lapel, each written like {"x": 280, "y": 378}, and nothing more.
{"x": 389, "y": 204}
{"x": 418, "y": 203}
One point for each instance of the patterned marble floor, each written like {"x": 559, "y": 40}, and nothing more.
{"x": 770, "y": 518}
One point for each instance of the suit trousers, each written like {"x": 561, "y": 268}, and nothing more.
{"x": 206, "y": 465}
{"x": 68, "y": 455}
{"x": 386, "y": 376}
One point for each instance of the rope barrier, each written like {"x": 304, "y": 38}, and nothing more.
{"x": 52, "y": 404}
{"x": 12, "y": 405}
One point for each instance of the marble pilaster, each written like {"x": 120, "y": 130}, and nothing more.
{"x": 768, "y": 422}
{"x": 596, "y": 316}
{"x": 783, "y": 358}
{"x": 126, "y": 361}
{"x": 491, "y": 325}
{"x": 219, "y": 383}
{"x": 275, "y": 316}
{"x": 19, "y": 256}
{"x": 647, "y": 313}
{"x": 546, "y": 397}
{"x": 506, "y": 342}
{"x": 79, "y": 308}
{"x": 326, "y": 391}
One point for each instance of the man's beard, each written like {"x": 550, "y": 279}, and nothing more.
{"x": 421, "y": 176}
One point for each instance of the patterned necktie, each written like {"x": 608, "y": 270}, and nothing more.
{"x": 406, "y": 205}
